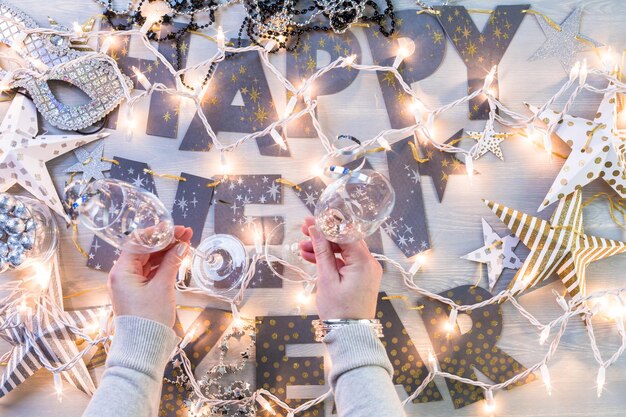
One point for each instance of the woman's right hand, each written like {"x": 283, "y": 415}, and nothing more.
{"x": 347, "y": 286}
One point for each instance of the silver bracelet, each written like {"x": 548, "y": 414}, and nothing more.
{"x": 323, "y": 327}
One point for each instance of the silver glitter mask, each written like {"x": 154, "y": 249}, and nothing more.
{"x": 94, "y": 77}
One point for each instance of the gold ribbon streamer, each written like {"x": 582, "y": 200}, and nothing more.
{"x": 75, "y": 241}
{"x": 112, "y": 161}
{"x": 79, "y": 293}
{"x": 615, "y": 205}
{"x": 211, "y": 38}
{"x": 406, "y": 301}
{"x": 590, "y": 135}
{"x": 214, "y": 183}
{"x": 289, "y": 183}
{"x": 168, "y": 176}
{"x": 375, "y": 150}
{"x": 416, "y": 154}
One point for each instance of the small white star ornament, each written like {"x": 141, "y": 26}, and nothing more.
{"x": 23, "y": 154}
{"x": 497, "y": 253}
{"x": 488, "y": 141}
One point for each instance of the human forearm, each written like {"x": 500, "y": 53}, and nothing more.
{"x": 131, "y": 384}
{"x": 361, "y": 374}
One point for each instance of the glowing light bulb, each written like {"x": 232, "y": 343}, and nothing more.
{"x": 545, "y": 375}
{"x": 131, "y": 124}
{"x": 5, "y": 84}
{"x": 18, "y": 41}
{"x": 608, "y": 59}
{"x": 278, "y": 139}
{"x": 547, "y": 142}
{"x": 400, "y": 55}
{"x": 291, "y": 104}
{"x": 270, "y": 45}
{"x": 41, "y": 274}
{"x": 145, "y": 83}
{"x": 305, "y": 296}
{"x": 78, "y": 29}
{"x": 543, "y": 336}
{"x": 521, "y": 284}
{"x": 317, "y": 170}
{"x": 384, "y": 143}
{"x": 189, "y": 336}
{"x": 432, "y": 360}
{"x": 349, "y": 60}
{"x": 490, "y": 403}
{"x": 600, "y": 380}
{"x": 106, "y": 44}
{"x": 583, "y": 73}
{"x": 58, "y": 386}
{"x": 221, "y": 38}
{"x": 258, "y": 242}
{"x": 224, "y": 163}
{"x": 420, "y": 260}
{"x": 153, "y": 12}
{"x": 469, "y": 166}
{"x": 450, "y": 325}
{"x": 573, "y": 73}
{"x": 265, "y": 404}
{"x": 490, "y": 76}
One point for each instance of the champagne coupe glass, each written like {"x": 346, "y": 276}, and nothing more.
{"x": 354, "y": 206}
{"x": 135, "y": 220}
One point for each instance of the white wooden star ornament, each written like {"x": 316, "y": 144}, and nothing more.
{"x": 23, "y": 154}
{"x": 497, "y": 253}
{"x": 598, "y": 150}
{"x": 488, "y": 141}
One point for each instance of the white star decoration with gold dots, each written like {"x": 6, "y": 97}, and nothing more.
{"x": 598, "y": 150}
{"x": 488, "y": 141}
{"x": 23, "y": 154}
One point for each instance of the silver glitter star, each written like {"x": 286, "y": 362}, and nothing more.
{"x": 563, "y": 43}
{"x": 90, "y": 164}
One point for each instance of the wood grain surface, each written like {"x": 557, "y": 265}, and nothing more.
{"x": 520, "y": 181}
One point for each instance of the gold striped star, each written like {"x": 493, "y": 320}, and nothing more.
{"x": 559, "y": 245}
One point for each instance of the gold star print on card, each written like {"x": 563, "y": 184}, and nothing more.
{"x": 559, "y": 245}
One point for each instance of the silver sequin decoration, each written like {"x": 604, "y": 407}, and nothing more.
{"x": 94, "y": 77}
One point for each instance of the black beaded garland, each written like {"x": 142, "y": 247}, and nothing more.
{"x": 278, "y": 20}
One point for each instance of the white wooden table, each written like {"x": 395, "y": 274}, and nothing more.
{"x": 455, "y": 229}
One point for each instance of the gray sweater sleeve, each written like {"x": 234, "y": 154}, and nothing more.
{"x": 131, "y": 384}
{"x": 361, "y": 374}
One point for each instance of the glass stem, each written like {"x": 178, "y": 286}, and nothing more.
{"x": 214, "y": 260}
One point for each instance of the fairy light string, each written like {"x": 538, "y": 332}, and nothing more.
{"x": 18, "y": 290}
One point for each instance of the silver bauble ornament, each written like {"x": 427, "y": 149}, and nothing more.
{"x": 14, "y": 240}
{"x": 4, "y": 250}
{"x": 7, "y": 202}
{"x": 27, "y": 240}
{"x": 3, "y": 219}
{"x": 14, "y": 226}
{"x": 30, "y": 225}
{"x": 16, "y": 258}
{"x": 21, "y": 211}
